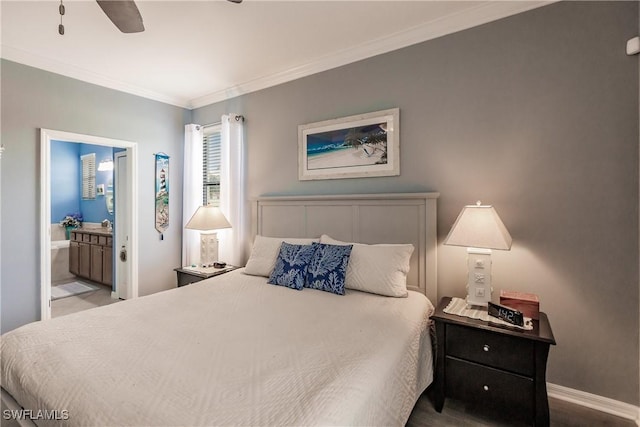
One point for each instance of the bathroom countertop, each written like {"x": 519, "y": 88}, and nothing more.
{"x": 98, "y": 230}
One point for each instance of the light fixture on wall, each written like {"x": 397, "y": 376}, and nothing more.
{"x": 207, "y": 219}
{"x": 480, "y": 229}
{"x": 106, "y": 165}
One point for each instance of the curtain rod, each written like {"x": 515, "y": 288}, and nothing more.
{"x": 238, "y": 118}
{"x": 211, "y": 124}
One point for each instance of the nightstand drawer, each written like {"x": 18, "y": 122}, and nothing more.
{"x": 487, "y": 348}
{"x": 490, "y": 388}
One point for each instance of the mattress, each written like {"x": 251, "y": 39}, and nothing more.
{"x": 231, "y": 350}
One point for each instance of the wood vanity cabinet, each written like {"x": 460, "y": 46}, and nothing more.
{"x": 96, "y": 263}
{"x": 84, "y": 264}
{"x": 74, "y": 257}
{"x": 107, "y": 265}
{"x": 91, "y": 256}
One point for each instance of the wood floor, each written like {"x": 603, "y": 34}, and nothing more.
{"x": 75, "y": 303}
{"x": 456, "y": 414}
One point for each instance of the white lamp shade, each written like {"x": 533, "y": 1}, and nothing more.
{"x": 208, "y": 218}
{"x": 479, "y": 226}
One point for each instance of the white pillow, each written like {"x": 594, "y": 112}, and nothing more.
{"x": 378, "y": 269}
{"x": 265, "y": 253}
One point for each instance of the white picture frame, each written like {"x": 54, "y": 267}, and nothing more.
{"x": 363, "y": 145}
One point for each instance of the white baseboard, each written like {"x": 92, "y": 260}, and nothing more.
{"x": 593, "y": 401}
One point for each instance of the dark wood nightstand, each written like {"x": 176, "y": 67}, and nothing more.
{"x": 500, "y": 369}
{"x": 187, "y": 275}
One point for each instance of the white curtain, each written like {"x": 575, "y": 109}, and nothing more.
{"x": 191, "y": 192}
{"x": 232, "y": 191}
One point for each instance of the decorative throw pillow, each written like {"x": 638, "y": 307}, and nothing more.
{"x": 265, "y": 252}
{"x": 328, "y": 268}
{"x": 291, "y": 265}
{"x": 378, "y": 269}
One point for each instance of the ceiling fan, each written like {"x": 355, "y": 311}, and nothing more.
{"x": 123, "y": 13}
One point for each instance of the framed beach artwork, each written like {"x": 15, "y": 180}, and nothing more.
{"x": 364, "y": 145}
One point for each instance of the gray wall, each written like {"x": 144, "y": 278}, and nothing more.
{"x": 536, "y": 114}
{"x": 34, "y": 99}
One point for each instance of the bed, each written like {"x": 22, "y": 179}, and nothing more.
{"x": 234, "y": 350}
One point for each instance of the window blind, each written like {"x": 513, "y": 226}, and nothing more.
{"x": 88, "y": 176}
{"x": 211, "y": 156}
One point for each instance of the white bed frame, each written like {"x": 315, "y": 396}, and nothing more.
{"x": 360, "y": 218}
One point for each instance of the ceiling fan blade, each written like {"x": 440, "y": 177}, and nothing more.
{"x": 235, "y": 1}
{"x": 124, "y": 14}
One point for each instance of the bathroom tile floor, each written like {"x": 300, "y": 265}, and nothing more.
{"x": 75, "y": 303}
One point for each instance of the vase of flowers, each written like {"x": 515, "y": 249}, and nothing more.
{"x": 71, "y": 221}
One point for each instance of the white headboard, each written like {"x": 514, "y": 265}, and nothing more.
{"x": 361, "y": 218}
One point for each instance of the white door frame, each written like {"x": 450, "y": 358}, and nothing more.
{"x": 46, "y": 136}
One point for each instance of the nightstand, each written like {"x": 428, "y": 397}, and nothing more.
{"x": 500, "y": 369}
{"x": 187, "y": 275}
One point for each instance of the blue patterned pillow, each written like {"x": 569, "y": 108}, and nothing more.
{"x": 328, "y": 268}
{"x": 291, "y": 265}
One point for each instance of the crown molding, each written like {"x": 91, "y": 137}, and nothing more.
{"x": 468, "y": 18}
{"x": 481, "y": 14}
{"x": 20, "y": 56}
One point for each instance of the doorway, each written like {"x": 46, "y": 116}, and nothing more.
{"x": 126, "y": 271}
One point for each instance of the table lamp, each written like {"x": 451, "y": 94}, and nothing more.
{"x": 207, "y": 219}
{"x": 479, "y": 228}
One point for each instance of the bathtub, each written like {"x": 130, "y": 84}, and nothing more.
{"x": 60, "y": 261}
{"x": 60, "y": 244}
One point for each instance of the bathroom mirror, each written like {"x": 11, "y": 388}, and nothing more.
{"x": 108, "y": 199}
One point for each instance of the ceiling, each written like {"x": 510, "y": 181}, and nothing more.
{"x": 194, "y": 53}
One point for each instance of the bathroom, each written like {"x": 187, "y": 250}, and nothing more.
{"x": 82, "y": 186}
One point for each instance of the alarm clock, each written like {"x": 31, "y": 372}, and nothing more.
{"x": 505, "y": 313}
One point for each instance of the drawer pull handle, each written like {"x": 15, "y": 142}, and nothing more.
{"x": 485, "y": 388}
{"x": 485, "y": 347}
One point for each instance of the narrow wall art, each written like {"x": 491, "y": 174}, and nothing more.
{"x": 162, "y": 192}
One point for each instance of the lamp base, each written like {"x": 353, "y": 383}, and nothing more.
{"x": 208, "y": 248}
{"x": 479, "y": 280}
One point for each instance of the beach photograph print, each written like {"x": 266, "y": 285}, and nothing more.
{"x": 356, "y": 146}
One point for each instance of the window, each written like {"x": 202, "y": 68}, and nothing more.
{"x": 88, "y": 176}
{"x": 211, "y": 156}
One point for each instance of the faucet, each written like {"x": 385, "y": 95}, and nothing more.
{"x": 106, "y": 223}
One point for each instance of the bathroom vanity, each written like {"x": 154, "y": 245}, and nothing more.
{"x": 91, "y": 254}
